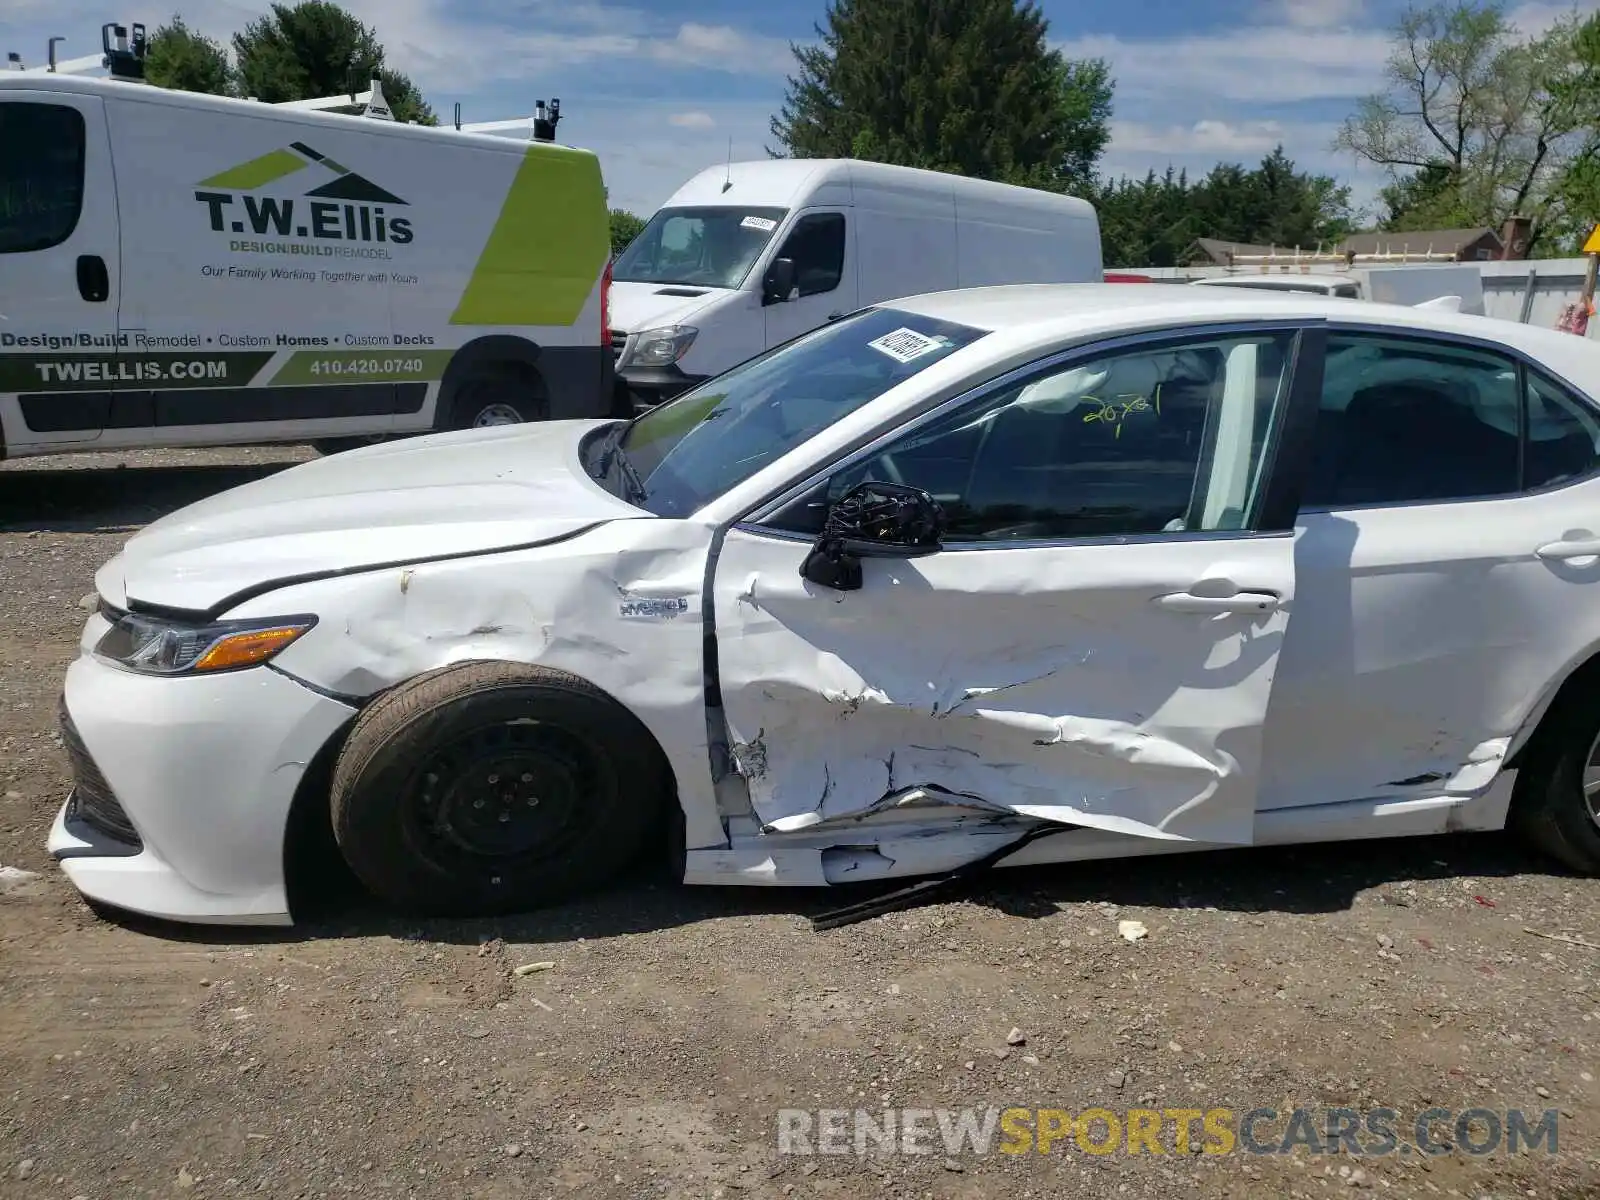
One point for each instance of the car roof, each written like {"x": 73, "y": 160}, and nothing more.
{"x": 1045, "y": 313}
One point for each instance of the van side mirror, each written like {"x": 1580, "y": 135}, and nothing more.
{"x": 873, "y": 520}
{"x": 779, "y": 282}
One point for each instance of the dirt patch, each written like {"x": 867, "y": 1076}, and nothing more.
{"x": 378, "y": 1057}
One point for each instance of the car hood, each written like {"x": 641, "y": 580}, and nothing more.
{"x": 428, "y": 497}
{"x": 636, "y": 307}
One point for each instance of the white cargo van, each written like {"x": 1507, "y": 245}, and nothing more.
{"x": 179, "y": 269}
{"x": 748, "y": 255}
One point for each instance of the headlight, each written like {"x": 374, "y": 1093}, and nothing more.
{"x": 661, "y": 347}
{"x": 158, "y": 646}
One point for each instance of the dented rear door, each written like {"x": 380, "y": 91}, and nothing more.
{"x": 1094, "y": 644}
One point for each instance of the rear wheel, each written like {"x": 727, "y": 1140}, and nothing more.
{"x": 506, "y": 395}
{"x": 495, "y": 787}
{"x": 1557, "y": 803}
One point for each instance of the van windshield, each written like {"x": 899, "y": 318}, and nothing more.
{"x": 704, "y": 247}
{"x": 676, "y": 458}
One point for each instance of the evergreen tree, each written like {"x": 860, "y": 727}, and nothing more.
{"x": 309, "y": 49}
{"x": 966, "y": 86}
{"x": 177, "y": 57}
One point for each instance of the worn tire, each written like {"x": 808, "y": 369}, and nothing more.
{"x": 1549, "y": 809}
{"x": 501, "y": 390}
{"x": 416, "y": 803}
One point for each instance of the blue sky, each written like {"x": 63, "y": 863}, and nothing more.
{"x": 659, "y": 87}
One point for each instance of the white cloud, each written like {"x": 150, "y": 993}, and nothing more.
{"x": 1210, "y": 137}
{"x": 1263, "y": 64}
{"x": 692, "y": 120}
{"x": 647, "y": 153}
{"x": 724, "y": 48}
{"x": 1317, "y": 14}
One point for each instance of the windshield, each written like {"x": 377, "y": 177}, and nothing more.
{"x": 709, "y": 247}
{"x": 691, "y": 450}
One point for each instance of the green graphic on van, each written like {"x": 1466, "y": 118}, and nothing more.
{"x": 342, "y": 206}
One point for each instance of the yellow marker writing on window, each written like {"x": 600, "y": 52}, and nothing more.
{"x": 1115, "y": 412}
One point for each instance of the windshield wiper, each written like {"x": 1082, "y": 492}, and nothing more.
{"x": 615, "y": 455}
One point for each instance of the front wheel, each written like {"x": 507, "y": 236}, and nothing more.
{"x": 492, "y": 787}
{"x": 1557, "y": 802}
{"x": 506, "y": 396}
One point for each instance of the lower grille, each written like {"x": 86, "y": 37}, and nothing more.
{"x": 93, "y": 801}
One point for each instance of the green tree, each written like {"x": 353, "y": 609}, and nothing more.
{"x": 309, "y": 49}
{"x": 1147, "y": 222}
{"x": 178, "y": 57}
{"x": 1577, "y": 192}
{"x": 1473, "y": 126}
{"x": 624, "y": 228}
{"x": 966, "y": 86}
{"x": 1153, "y": 221}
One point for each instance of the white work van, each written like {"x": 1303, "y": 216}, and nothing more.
{"x": 747, "y": 255}
{"x": 179, "y": 269}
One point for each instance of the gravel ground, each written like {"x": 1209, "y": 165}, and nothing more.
{"x": 365, "y": 1055}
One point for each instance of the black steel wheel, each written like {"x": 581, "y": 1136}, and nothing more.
{"x": 1556, "y": 806}
{"x": 494, "y": 787}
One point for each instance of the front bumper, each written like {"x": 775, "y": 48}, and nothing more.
{"x": 182, "y": 788}
{"x": 650, "y": 386}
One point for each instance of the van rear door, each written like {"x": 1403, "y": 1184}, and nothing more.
{"x": 60, "y": 262}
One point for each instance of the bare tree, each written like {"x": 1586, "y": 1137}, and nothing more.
{"x": 1474, "y": 109}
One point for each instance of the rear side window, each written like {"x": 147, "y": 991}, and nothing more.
{"x": 1407, "y": 421}
{"x": 41, "y": 184}
{"x": 1563, "y": 436}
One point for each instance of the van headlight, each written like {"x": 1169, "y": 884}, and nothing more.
{"x": 162, "y": 646}
{"x": 661, "y": 347}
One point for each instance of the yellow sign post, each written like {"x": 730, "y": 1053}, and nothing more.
{"x": 1592, "y": 246}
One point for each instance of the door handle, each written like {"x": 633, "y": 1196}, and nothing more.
{"x": 1239, "y": 602}
{"x": 94, "y": 281}
{"x": 1576, "y": 548}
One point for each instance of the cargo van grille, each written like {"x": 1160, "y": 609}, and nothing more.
{"x": 619, "y": 339}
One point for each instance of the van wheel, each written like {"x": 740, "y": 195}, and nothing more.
{"x": 1556, "y": 807}
{"x": 508, "y": 395}
{"x": 492, "y": 787}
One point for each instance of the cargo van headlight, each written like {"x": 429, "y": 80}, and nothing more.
{"x": 661, "y": 347}
{"x": 160, "y": 646}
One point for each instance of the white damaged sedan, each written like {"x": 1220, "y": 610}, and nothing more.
{"x": 1021, "y": 575}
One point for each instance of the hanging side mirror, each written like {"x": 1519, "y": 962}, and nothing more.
{"x": 873, "y": 520}
{"x": 779, "y": 283}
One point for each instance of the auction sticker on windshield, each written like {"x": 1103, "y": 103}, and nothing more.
{"x": 905, "y": 345}
{"x": 764, "y": 224}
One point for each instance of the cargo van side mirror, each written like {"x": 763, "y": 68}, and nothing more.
{"x": 779, "y": 282}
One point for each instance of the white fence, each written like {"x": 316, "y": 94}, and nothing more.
{"x": 1533, "y": 292}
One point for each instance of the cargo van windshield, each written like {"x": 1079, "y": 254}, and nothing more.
{"x": 698, "y": 247}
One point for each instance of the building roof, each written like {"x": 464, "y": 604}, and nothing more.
{"x": 1440, "y": 241}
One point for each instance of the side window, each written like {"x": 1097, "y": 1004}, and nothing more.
{"x": 1166, "y": 438}
{"x": 816, "y": 245}
{"x": 41, "y": 187}
{"x": 1563, "y": 436}
{"x": 1407, "y": 421}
